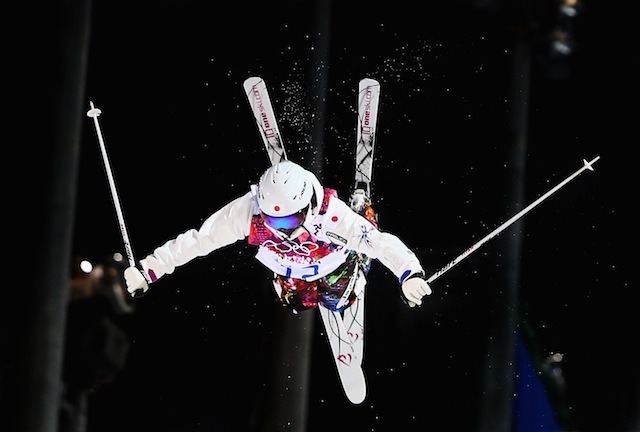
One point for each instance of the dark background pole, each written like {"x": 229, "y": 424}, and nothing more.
{"x": 52, "y": 66}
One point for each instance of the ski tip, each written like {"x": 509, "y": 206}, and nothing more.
{"x": 251, "y": 81}
{"x": 353, "y": 382}
{"x": 368, "y": 82}
{"x": 589, "y": 165}
{"x": 357, "y": 397}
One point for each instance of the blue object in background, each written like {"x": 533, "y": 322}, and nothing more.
{"x": 533, "y": 410}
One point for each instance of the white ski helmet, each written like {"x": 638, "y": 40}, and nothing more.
{"x": 288, "y": 194}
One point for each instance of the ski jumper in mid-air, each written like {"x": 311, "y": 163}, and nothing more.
{"x": 318, "y": 247}
{"x": 314, "y": 243}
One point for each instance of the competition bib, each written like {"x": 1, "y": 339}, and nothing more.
{"x": 293, "y": 260}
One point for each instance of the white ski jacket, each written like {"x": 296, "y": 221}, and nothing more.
{"x": 312, "y": 251}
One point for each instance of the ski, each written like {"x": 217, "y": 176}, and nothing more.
{"x": 256, "y": 90}
{"x": 368, "y": 103}
{"x": 345, "y": 333}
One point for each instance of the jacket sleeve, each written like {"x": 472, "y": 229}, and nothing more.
{"x": 226, "y": 226}
{"x": 345, "y": 226}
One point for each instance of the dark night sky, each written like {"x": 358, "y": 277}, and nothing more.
{"x": 183, "y": 142}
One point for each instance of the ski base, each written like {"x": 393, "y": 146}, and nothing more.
{"x": 368, "y": 103}
{"x": 264, "y": 115}
{"x": 345, "y": 333}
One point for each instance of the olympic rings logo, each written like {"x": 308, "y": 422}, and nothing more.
{"x": 304, "y": 248}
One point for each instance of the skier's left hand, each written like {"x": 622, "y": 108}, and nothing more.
{"x": 414, "y": 288}
{"x": 137, "y": 285}
{"x": 358, "y": 200}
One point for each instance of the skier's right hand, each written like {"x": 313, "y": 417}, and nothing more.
{"x": 137, "y": 285}
{"x": 414, "y": 288}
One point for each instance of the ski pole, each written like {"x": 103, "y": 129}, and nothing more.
{"x": 586, "y": 166}
{"x": 94, "y": 113}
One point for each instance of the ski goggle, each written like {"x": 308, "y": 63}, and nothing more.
{"x": 289, "y": 222}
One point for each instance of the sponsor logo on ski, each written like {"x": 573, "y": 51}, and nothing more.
{"x": 266, "y": 124}
{"x": 366, "y": 126}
